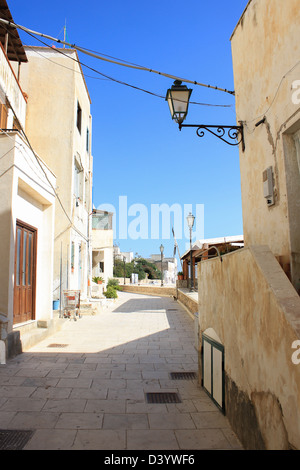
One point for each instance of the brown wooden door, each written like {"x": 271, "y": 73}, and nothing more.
{"x": 25, "y": 267}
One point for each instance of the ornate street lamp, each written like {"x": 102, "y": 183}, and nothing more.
{"x": 178, "y": 97}
{"x": 161, "y": 261}
{"x": 190, "y": 221}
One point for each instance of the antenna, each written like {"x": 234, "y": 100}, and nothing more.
{"x": 65, "y": 32}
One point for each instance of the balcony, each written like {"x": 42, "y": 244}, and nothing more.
{"x": 10, "y": 89}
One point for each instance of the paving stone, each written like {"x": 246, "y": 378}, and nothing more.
{"x": 202, "y": 439}
{"x": 100, "y": 440}
{"x": 125, "y": 421}
{"x": 46, "y": 439}
{"x": 72, "y": 405}
{"x": 151, "y": 440}
{"x": 80, "y": 421}
{"x": 171, "y": 421}
{"x": 106, "y": 406}
{"x": 34, "y": 420}
{"x": 90, "y": 395}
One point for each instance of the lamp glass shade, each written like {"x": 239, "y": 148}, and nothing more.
{"x": 161, "y": 248}
{"x": 190, "y": 220}
{"x": 178, "y": 97}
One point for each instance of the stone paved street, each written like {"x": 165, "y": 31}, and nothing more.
{"x": 85, "y": 386}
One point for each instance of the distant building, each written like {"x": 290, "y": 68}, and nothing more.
{"x": 205, "y": 249}
{"x": 118, "y": 254}
{"x": 169, "y": 267}
{"x": 102, "y": 244}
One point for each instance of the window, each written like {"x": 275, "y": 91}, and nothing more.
{"x": 78, "y": 177}
{"x": 86, "y": 191}
{"x": 101, "y": 267}
{"x": 72, "y": 256}
{"x": 79, "y": 116}
{"x": 102, "y": 221}
{"x": 3, "y": 116}
{"x": 87, "y": 140}
{"x": 296, "y": 137}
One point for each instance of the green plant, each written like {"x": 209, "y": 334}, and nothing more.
{"x": 97, "y": 279}
{"x": 180, "y": 273}
{"x": 113, "y": 283}
{"x": 111, "y": 293}
{"x": 139, "y": 266}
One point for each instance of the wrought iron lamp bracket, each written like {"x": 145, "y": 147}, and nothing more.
{"x": 231, "y": 135}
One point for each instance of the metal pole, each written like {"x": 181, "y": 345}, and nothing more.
{"x": 192, "y": 270}
{"x": 161, "y": 262}
{"x": 124, "y": 269}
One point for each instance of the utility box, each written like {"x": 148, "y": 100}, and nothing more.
{"x": 268, "y": 186}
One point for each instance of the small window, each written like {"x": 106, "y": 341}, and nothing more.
{"x": 3, "y": 116}
{"x": 296, "y": 137}
{"x": 78, "y": 180}
{"x": 79, "y": 116}
{"x": 101, "y": 266}
{"x": 87, "y": 140}
{"x": 72, "y": 255}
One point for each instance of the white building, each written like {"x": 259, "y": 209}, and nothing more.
{"x": 27, "y": 195}
{"x": 59, "y": 126}
{"x": 118, "y": 254}
{"x": 169, "y": 267}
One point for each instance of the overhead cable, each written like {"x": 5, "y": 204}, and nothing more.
{"x": 106, "y": 59}
{"x": 107, "y": 77}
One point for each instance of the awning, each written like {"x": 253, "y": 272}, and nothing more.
{"x": 15, "y": 49}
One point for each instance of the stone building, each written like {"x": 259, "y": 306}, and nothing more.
{"x": 249, "y": 305}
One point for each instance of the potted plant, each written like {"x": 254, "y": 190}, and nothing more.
{"x": 98, "y": 279}
{"x": 180, "y": 275}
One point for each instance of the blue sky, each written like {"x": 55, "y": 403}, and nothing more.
{"x": 139, "y": 153}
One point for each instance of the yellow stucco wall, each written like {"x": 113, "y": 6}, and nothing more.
{"x": 54, "y": 84}
{"x": 250, "y": 304}
{"x": 266, "y": 51}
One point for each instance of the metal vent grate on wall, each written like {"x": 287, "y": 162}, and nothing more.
{"x": 163, "y": 397}
{"x": 56, "y": 345}
{"x": 183, "y": 375}
{"x": 14, "y": 440}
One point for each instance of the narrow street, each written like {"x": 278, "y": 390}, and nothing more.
{"x": 85, "y": 387}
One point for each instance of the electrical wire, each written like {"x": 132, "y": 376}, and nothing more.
{"x": 24, "y": 151}
{"x": 107, "y": 59}
{"x": 107, "y": 77}
{"x": 272, "y": 102}
{"x": 39, "y": 161}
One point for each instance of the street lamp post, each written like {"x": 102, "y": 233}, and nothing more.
{"x": 124, "y": 260}
{"x": 178, "y": 97}
{"x": 161, "y": 261}
{"x": 190, "y": 221}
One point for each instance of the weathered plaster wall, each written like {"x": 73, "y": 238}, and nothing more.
{"x": 190, "y": 303}
{"x": 253, "y": 308}
{"x": 266, "y": 51}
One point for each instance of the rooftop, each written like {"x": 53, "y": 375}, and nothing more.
{"x": 15, "y": 50}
